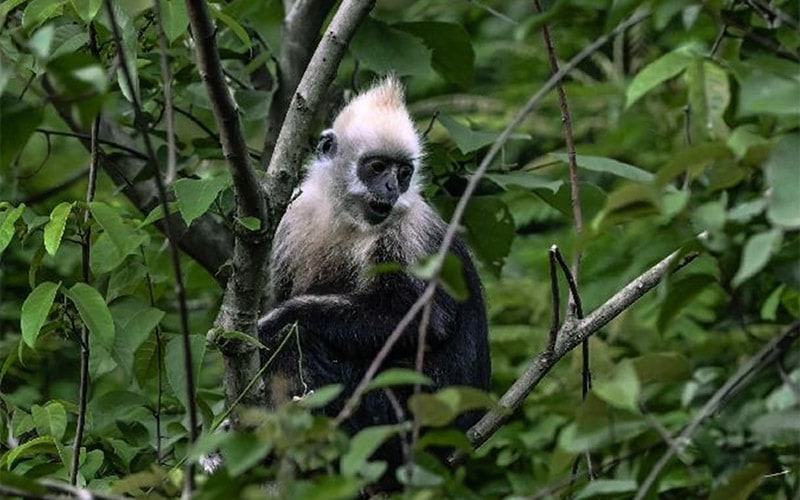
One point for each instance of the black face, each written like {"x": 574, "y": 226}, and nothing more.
{"x": 386, "y": 178}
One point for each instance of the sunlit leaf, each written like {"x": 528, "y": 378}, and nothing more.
{"x": 54, "y": 229}
{"x": 195, "y": 196}
{"x": 175, "y": 363}
{"x": 94, "y": 312}
{"x": 35, "y": 310}
{"x": 86, "y": 9}
{"x": 756, "y": 254}
{"x": 363, "y": 445}
{"x": 50, "y": 420}
{"x": 783, "y": 198}
{"x": 608, "y": 165}
{"x": 7, "y": 220}
{"x": 622, "y": 389}
{"x": 662, "y": 69}
{"x": 398, "y": 376}
{"x": 174, "y": 18}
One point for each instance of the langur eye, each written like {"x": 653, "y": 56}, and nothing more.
{"x": 404, "y": 173}
{"x": 377, "y": 166}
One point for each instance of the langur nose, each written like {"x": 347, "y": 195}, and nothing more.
{"x": 391, "y": 185}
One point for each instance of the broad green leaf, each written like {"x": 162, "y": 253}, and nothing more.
{"x": 742, "y": 483}
{"x": 608, "y": 165}
{"x": 418, "y": 476}
{"x": 682, "y": 293}
{"x": 94, "y": 313}
{"x": 126, "y": 238}
{"x": 622, "y": 389}
{"x": 468, "y": 140}
{"x": 593, "y": 199}
{"x": 398, "y": 376}
{"x": 174, "y": 18}
{"x": 22, "y": 483}
{"x": 231, "y": 23}
{"x": 768, "y": 87}
{"x": 253, "y": 104}
{"x": 322, "y": 396}
{"x": 39, "y": 11}
{"x": 195, "y": 196}
{"x": 157, "y": 213}
{"x": 527, "y": 180}
{"x": 175, "y": 364}
{"x": 709, "y": 96}
{"x": 756, "y": 254}
{"x": 50, "y": 420}
{"x": 35, "y": 310}
{"x": 18, "y": 120}
{"x": 126, "y": 278}
{"x": 250, "y": 223}
{"x": 490, "y": 231}
{"x": 54, "y": 229}
{"x": 86, "y": 9}
{"x": 146, "y": 360}
{"x": 662, "y": 367}
{"x": 658, "y": 71}
{"x": 110, "y": 407}
{"x": 243, "y": 451}
{"x": 451, "y": 276}
{"x": 694, "y": 160}
{"x": 384, "y": 49}
{"x": 783, "y": 178}
{"x": 440, "y": 408}
{"x": 134, "y": 320}
{"x": 453, "y": 57}
{"x": 128, "y": 29}
{"x": 41, "y": 42}
{"x": 613, "y": 488}
{"x": 363, "y": 445}
{"x": 769, "y": 310}
{"x": 7, "y": 221}
{"x": 34, "y": 448}
{"x": 745, "y": 138}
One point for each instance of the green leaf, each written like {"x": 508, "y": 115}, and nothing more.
{"x": 363, "y": 445}
{"x": 526, "y": 180}
{"x": 769, "y": 310}
{"x": 86, "y": 9}
{"x": 453, "y": 57}
{"x": 33, "y": 448}
{"x": 742, "y": 483}
{"x": 195, "y": 196}
{"x": 250, "y": 223}
{"x": 756, "y": 254}
{"x": 614, "y": 488}
{"x": 622, "y": 389}
{"x": 468, "y": 140}
{"x": 54, "y": 229}
{"x": 440, "y": 408}
{"x": 157, "y": 213}
{"x": 451, "y": 275}
{"x": 174, "y": 18}
{"x": 134, "y": 320}
{"x": 35, "y": 310}
{"x": 419, "y": 476}
{"x": 709, "y": 96}
{"x": 662, "y": 367}
{"x": 125, "y": 238}
{"x": 608, "y": 165}
{"x": 50, "y": 420}
{"x": 398, "y": 376}
{"x": 322, "y": 396}
{"x": 658, "y": 71}
{"x": 243, "y": 451}
{"x": 18, "y": 120}
{"x": 9, "y": 218}
{"x": 39, "y": 11}
{"x": 22, "y": 483}
{"x": 682, "y": 293}
{"x": 231, "y": 23}
{"x": 42, "y": 42}
{"x": 94, "y": 313}
{"x": 175, "y": 364}
{"x": 490, "y": 231}
{"x": 767, "y": 88}
{"x": 384, "y": 49}
{"x": 783, "y": 179}
{"x": 241, "y": 337}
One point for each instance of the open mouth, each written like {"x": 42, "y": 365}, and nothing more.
{"x": 378, "y": 210}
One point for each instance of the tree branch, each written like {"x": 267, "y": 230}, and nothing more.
{"x": 571, "y": 334}
{"x": 241, "y": 302}
{"x": 301, "y": 27}
{"x": 283, "y": 172}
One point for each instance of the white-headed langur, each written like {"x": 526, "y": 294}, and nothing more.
{"x": 360, "y": 206}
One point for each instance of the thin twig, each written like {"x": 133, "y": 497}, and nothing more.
{"x": 166, "y": 78}
{"x": 174, "y": 251}
{"x": 87, "y": 137}
{"x": 556, "y": 301}
{"x": 764, "y": 357}
{"x": 86, "y": 248}
{"x": 419, "y": 365}
{"x": 159, "y": 347}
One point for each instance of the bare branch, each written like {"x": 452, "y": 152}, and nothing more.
{"x": 301, "y": 27}
{"x": 571, "y": 334}
{"x": 284, "y": 165}
{"x": 765, "y": 356}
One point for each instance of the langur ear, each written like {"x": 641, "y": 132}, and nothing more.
{"x": 326, "y": 147}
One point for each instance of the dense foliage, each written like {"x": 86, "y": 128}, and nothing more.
{"x": 688, "y": 122}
